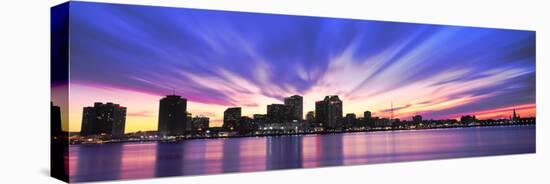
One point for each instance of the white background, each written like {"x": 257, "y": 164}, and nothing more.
{"x": 24, "y": 90}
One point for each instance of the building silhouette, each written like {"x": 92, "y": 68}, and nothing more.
{"x": 468, "y": 119}
{"x": 108, "y": 119}
{"x": 231, "y": 117}
{"x": 277, "y": 113}
{"x": 329, "y": 112}
{"x": 200, "y": 123}
{"x": 55, "y": 120}
{"x": 245, "y": 125}
{"x": 350, "y": 120}
{"x": 320, "y": 113}
{"x": 417, "y": 119}
{"x": 310, "y": 118}
{"x": 367, "y": 117}
{"x": 172, "y": 116}
{"x": 259, "y": 119}
{"x": 515, "y": 117}
{"x": 188, "y": 122}
{"x": 295, "y": 106}
{"x": 382, "y": 122}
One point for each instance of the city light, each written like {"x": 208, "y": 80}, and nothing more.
{"x": 280, "y": 119}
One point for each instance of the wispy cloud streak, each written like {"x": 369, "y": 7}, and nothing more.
{"x": 218, "y": 59}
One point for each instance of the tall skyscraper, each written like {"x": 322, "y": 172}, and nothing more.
{"x": 295, "y": 106}
{"x": 172, "y": 116}
{"x": 334, "y": 111}
{"x": 329, "y": 112}
{"x": 119, "y": 121}
{"x": 88, "y": 117}
{"x": 277, "y": 113}
{"x": 108, "y": 118}
{"x": 231, "y": 117}
{"x": 320, "y": 113}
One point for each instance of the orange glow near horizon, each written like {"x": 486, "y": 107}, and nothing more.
{"x": 59, "y": 98}
{"x": 527, "y": 110}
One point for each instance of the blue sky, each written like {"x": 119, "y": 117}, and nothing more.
{"x": 222, "y": 59}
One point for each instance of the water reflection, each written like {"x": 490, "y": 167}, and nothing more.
{"x": 213, "y": 156}
{"x": 284, "y": 152}
{"x": 100, "y": 161}
{"x": 252, "y": 154}
{"x": 136, "y": 161}
{"x": 194, "y": 157}
{"x": 355, "y": 147}
{"x": 145, "y": 160}
{"x": 230, "y": 161}
{"x": 331, "y": 150}
{"x": 169, "y": 157}
{"x": 323, "y": 150}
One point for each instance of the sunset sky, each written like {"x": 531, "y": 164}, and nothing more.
{"x": 135, "y": 55}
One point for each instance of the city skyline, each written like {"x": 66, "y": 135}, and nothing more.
{"x": 178, "y": 112}
{"x": 439, "y": 72}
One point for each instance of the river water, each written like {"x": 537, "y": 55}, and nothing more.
{"x": 211, "y": 156}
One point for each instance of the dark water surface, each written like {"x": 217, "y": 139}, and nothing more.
{"x": 210, "y": 156}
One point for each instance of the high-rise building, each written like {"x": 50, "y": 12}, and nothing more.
{"x": 295, "y": 106}
{"x": 172, "y": 116}
{"x": 367, "y": 117}
{"x": 320, "y": 113}
{"x": 119, "y": 121}
{"x": 88, "y": 117}
{"x": 231, "y": 117}
{"x": 277, "y": 113}
{"x": 333, "y": 111}
{"x": 108, "y": 119}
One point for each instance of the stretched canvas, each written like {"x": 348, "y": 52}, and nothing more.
{"x": 146, "y": 91}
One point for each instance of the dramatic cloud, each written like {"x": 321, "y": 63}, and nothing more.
{"x": 217, "y": 59}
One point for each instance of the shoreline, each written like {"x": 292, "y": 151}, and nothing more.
{"x": 298, "y": 134}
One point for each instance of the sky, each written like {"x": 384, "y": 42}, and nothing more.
{"x": 135, "y": 55}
